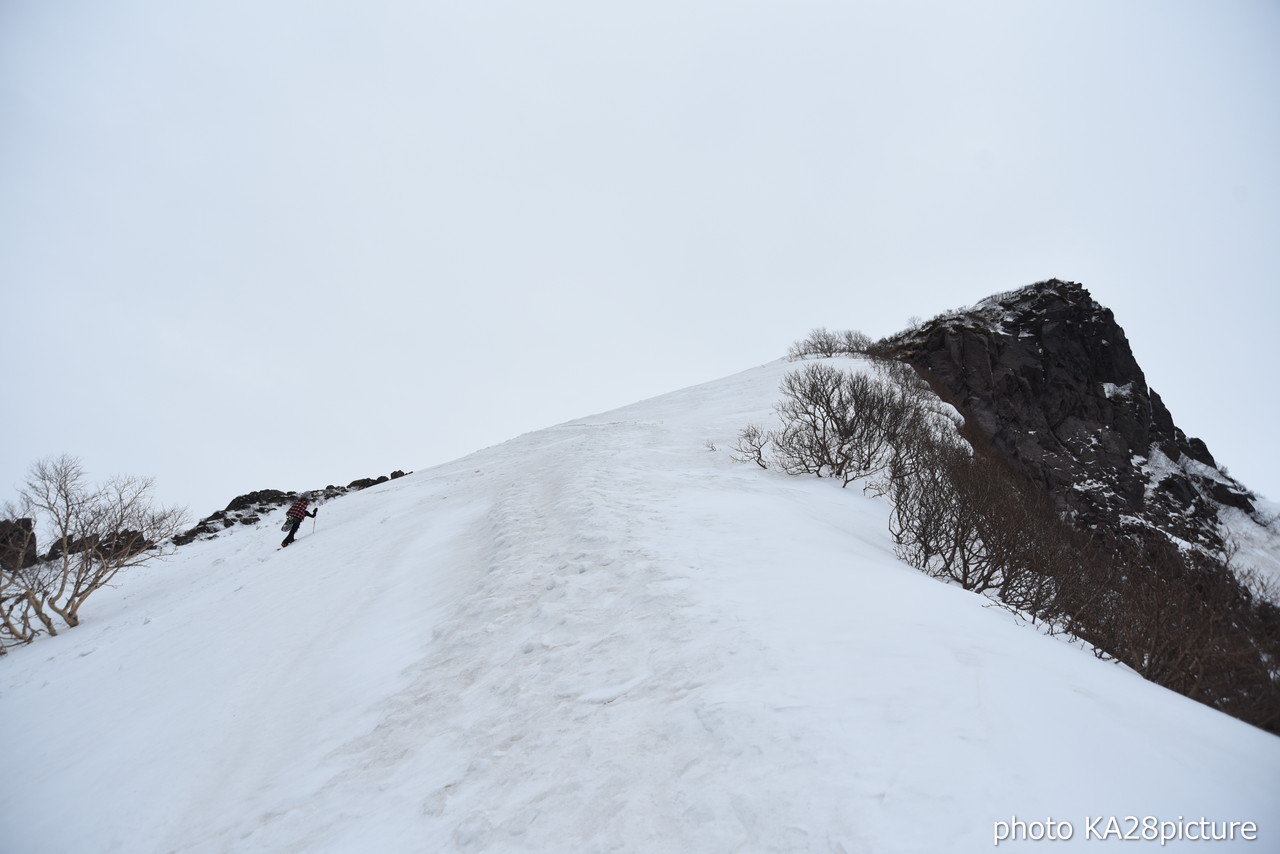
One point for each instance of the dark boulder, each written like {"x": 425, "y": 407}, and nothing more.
{"x": 261, "y": 498}
{"x": 366, "y": 482}
{"x": 17, "y": 544}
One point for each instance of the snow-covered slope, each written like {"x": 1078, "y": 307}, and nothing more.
{"x": 602, "y": 636}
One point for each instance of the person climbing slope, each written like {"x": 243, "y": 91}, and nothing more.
{"x": 294, "y": 517}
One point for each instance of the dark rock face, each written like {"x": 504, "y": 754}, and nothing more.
{"x": 249, "y": 508}
{"x": 17, "y": 544}
{"x": 242, "y": 510}
{"x": 267, "y": 497}
{"x": 1047, "y": 376}
{"x": 366, "y": 482}
{"x": 120, "y": 544}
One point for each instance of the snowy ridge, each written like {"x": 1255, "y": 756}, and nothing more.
{"x": 602, "y": 636}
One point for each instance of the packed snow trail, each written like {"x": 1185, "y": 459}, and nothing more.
{"x": 602, "y": 636}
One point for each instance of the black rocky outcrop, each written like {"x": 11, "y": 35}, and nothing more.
{"x": 248, "y": 509}
{"x": 17, "y": 544}
{"x": 1046, "y": 376}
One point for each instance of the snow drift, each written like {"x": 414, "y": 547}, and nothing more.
{"x": 602, "y": 636}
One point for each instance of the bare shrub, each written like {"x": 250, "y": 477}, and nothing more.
{"x": 750, "y": 445}
{"x": 824, "y": 343}
{"x": 924, "y": 504}
{"x": 852, "y": 341}
{"x": 850, "y": 425}
{"x": 942, "y": 518}
{"x": 1183, "y": 619}
{"x": 837, "y": 423}
{"x": 1192, "y": 626}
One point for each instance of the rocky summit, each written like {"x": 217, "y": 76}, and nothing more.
{"x": 1046, "y": 376}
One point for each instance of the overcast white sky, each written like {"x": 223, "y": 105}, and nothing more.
{"x": 249, "y": 244}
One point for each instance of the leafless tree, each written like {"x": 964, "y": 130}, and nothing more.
{"x": 95, "y": 532}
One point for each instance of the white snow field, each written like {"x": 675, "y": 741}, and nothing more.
{"x": 603, "y": 636}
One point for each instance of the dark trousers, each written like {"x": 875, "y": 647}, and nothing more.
{"x": 293, "y": 530}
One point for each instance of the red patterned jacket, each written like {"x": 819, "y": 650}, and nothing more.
{"x": 299, "y": 509}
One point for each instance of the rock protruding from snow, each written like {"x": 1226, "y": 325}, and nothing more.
{"x": 248, "y": 509}
{"x": 17, "y": 544}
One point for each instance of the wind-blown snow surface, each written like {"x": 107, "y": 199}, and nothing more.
{"x": 603, "y": 636}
